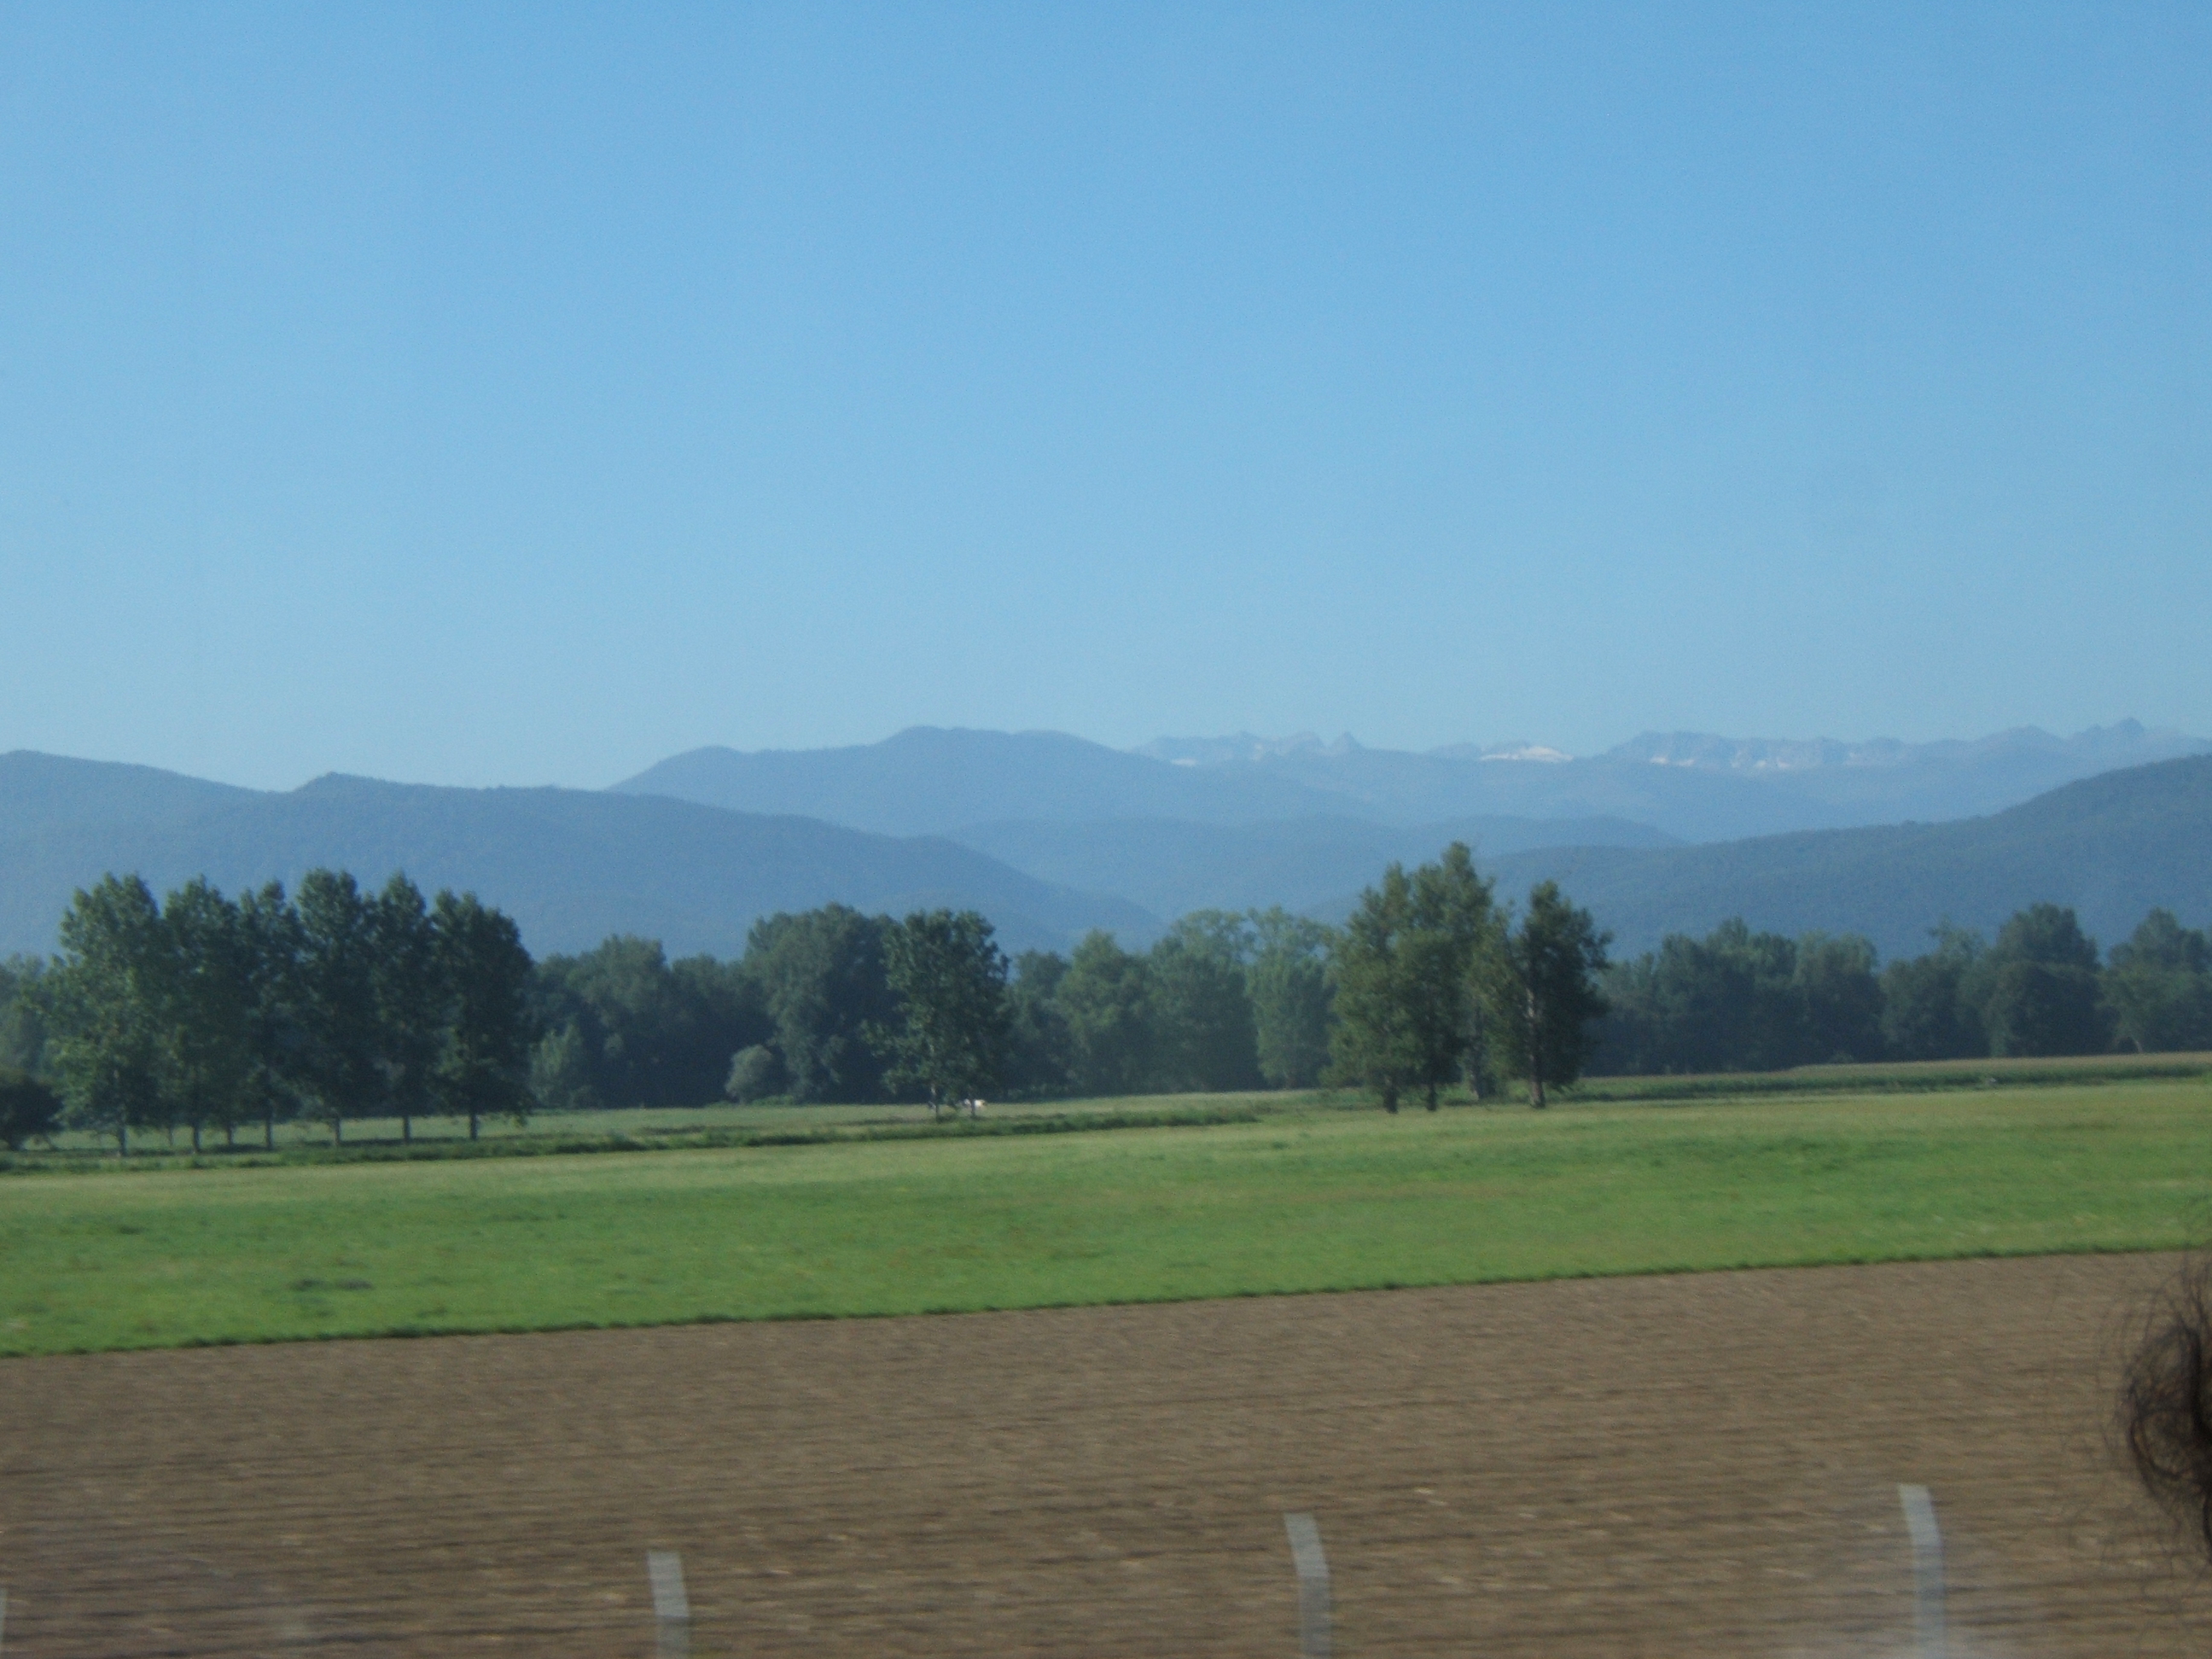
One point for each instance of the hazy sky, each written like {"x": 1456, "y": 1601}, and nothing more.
{"x": 522, "y": 394}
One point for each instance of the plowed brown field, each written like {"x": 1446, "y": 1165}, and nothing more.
{"x": 1703, "y": 1466}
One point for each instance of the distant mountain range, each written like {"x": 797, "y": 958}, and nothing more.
{"x": 1051, "y": 836}
{"x": 1171, "y": 865}
{"x": 1689, "y": 786}
{"x": 570, "y": 865}
{"x": 2112, "y": 846}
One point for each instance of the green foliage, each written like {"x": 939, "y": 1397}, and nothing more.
{"x": 2036, "y": 989}
{"x": 25, "y": 1000}
{"x": 110, "y": 994}
{"x": 823, "y": 977}
{"x": 2159, "y": 987}
{"x": 30, "y": 1109}
{"x": 412, "y": 990}
{"x": 1106, "y": 998}
{"x": 1544, "y": 996}
{"x": 561, "y": 1072}
{"x": 1408, "y": 965}
{"x": 1739, "y": 1001}
{"x": 950, "y": 978}
{"x": 1293, "y": 1000}
{"x": 1041, "y": 1046}
{"x": 653, "y": 1033}
{"x": 200, "y": 1012}
{"x": 1925, "y": 1012}
{"x": 1203, "y": 1031}
{"x": 1328, "y": 1202}
{"x": 756, "y": 1073}
{"x": 205, "y": 1022}
{"x": 339, "y": 1068}
{"x": 484, "y": 1062}
{"x": 277, "y": 1010}
{"x": 1456, "y": 942}
{"x": 1374, "y": 1046}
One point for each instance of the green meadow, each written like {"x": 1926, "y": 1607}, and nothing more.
{"x": 1309, "y": 1199}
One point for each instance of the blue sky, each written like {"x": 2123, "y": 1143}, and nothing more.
{"x": 522, "y": 394}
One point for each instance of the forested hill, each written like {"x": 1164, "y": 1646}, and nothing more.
{"x": 570, "y": 865}
{"x": 2112, "y": 846}
{"x": 1689, "y": 787}
{"x": 929, "y": 781}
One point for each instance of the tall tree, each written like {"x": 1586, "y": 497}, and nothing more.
{"x": 207, "y": 1040}
{"x": 278, "y": 1052}
{"x": 25, "y": 1015}
{"x": 948, "y": 975}
{"x": 483, "y": 1069}
{"x": 1203, "y": 1033}
{"x": 1927, "y": 1012}
{"x": 341, "y": 1065}
{"x": 110, "y": 994}
{"x": 1040, "y": 1047}
{"x": 29, "y": 1110}
{"x": 2159, "y": 987}
{"x": 411, "y": 998}
{"x": 2038, "y": 987}
{"x": 1106, "y": 998}
{"x": 1545, "y": 994}
{"x": 821, "y": 978}
{"x": 1292, "y": 998}
{"x": 1375, "y": 1045}
{"x": 1454, "y": 935}
{"x": 1840, "y": 998}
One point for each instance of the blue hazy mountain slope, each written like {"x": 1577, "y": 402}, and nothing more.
{"x": 1692, "y": 787}
{"x": 1171, "y": 865}
{"x": 2112, "y": 846}
{"x": 570, "y": 865}
{"x": 1698, "y": 787}
{"x": 43, "y": 793}
{"x": 929, "y": 781}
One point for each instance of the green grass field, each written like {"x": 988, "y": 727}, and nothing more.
{"x": 635, "y": 1127}
{"x": 1302, "y": 1201}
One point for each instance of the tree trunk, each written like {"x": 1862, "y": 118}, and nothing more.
{"x": 230, "y": 1135}
{"x": 196, "y": 1137}
{"x": 122, "y": 1136}
{"x": 338, "y": 1130}
{"x": 406, "y": 1129}
{"x": 1432, "y": 1098}
{"x": 1474, "y": 1049}
{"x": 1390, "y": 1098}
{"x": 268, "y": 1129}
{"x": 472, "y": 1126}
{"x": 1536, "y": 1053}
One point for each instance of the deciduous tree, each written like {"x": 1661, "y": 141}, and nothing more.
{"x": 949, "y": 1038}
{"x": 1545, "y": 994}
{"x": 110, "y": 994}
{"x": 1375, "y": 1045}
{"x": 483, "y": 1068}
{"x": 340, "y": 1065}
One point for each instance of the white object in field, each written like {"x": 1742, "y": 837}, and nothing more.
{"x": 1929, "y": 1638}
{"x": 671, "y": 1607}
{"x": 1313, "y": 1585}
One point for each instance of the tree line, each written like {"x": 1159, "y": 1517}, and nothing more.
{"x": 205, "y": 1014}
{"x": 202, "y": 1012}
{"x": 1742, "y": 1001}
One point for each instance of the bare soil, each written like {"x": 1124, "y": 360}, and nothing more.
{"x": 1701, "y": 1466}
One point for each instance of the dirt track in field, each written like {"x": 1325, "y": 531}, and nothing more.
{"x": 1703, "y": 1465}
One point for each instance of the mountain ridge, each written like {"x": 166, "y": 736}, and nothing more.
{"x": 2110, "y": 847}
{"x": 570, "y": 865}
{"x": 1692, "y": 787}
